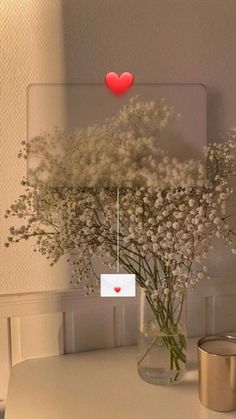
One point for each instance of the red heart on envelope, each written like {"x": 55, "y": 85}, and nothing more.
{"x": 119, "y": 84}
{"x": 117, "y": 289}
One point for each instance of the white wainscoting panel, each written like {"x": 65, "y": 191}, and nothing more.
{"x": 15, "y": 343}
{"x": 5, "y": 356}
{"x": 211, "y": 307}
{"x": 69, "y": 332}
{"x": 57, "y": 322}
{"x": 130, "y": 325}
{"x": 196, "y": 314}
{"x": 225, "y": 313}
{"x": 46, "y": 336}
{"x": 94, "y": 328}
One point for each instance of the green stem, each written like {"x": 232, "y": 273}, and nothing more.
{"x": 149, "y": 349}
{"x": 175, "y": 349}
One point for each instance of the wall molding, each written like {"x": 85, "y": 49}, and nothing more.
{"x": 52, "y": 301}
{"x": 47, "y": 323}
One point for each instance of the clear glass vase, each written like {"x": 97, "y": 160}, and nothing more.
{"x": 161, "y": 339}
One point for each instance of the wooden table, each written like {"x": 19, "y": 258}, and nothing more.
{"x": 101, "y": 384}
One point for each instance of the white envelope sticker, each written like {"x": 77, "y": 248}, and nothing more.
{"x": 117, "y": 285}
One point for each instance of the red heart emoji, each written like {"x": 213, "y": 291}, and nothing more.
{"x": 117, "y": 289}
{"x": 119, "y": 84}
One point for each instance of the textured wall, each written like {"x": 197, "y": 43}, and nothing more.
{"x": 159, "y": 40}
{"x": 32, "y": 52}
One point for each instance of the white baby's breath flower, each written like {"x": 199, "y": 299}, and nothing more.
{"x": 200, "y": 228}
{"x": 169, "y": 211}
{"x": 176, "y": 225}
{"x": 191, "y": 202}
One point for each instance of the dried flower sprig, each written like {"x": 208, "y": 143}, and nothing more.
{"x": 170, "y": 211}
{"x": 123, "y": 152}
{"x": 166, "y": 230}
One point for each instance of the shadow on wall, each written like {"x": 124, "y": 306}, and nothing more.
{"x": 214, "y": 111}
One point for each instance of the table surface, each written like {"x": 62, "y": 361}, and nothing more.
{"x": 101, "y": 384}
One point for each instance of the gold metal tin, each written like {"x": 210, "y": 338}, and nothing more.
{"x": 217, "y": 376}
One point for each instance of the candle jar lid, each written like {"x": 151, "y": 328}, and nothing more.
{"x": 218, "y": 345}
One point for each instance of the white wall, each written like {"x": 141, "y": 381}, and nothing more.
{"x": 79, "y": 41}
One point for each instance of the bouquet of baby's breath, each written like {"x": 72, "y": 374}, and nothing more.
{"x": 170, "y": 211}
